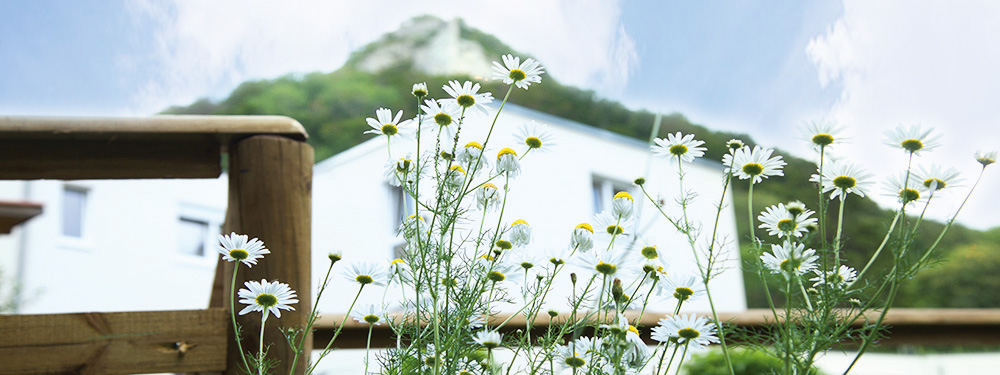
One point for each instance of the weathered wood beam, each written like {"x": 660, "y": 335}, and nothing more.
{"x": 114, "y": 343}
{"x": 71, "y": 148}
{"x": 966, "y": 327}
{"x": 270, "y": 186}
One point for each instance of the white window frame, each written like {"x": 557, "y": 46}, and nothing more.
{"x": 214, "y": 218}
{"x": 603, "y": 190}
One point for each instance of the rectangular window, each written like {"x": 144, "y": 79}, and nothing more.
{"x": 193, "y": 234}
{"x": 74, "y": 206}
{"x": 403, "y": 205}
{"x": 604, "y": 191}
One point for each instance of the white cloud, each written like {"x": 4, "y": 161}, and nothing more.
{"x": 206, "y": 48}
{"x": 933, "y": 63}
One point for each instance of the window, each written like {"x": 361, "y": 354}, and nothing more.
{"x": 403, "y": 205}
{"x": 193, "y": 234}
{"x": 604, "y": 191}
{"x": 74, "y": 207}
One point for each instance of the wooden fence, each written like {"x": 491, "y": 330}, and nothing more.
{"x": 270, "y": 182}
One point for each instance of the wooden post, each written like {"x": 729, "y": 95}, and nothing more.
{"x": 270, "y": 186}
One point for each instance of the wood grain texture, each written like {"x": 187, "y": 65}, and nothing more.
{"x": 270, "y": 187}
{"x": 114, "y": 159}
{"x": 966, "y": 327}
{"x": 153, "y": 127}
{"x": 114, "y": 343}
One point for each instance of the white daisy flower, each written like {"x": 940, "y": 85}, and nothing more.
{"x": 507, "y": 163}
{"x": 582, "y": 238}
{"x": 844, "y": 276}
{"x": 400, "y": 170}
{"x": 556, "y": 256}
{"x": 267, "y": 297}
{"x": 535, "y": 136}
{"x": 822, "y": 133}
{"x": 622, "y": 205}
{"x": 443, "y": 114}
{"x": 577, "y": 353}
{"x": 609, "y": 224}
{"x": 419, "y": 89}
{"x": 454, "y": 177}
{"x": 843, "y": 178}
{"x": 520, "y": 233}
{"x": 756, "y": 164}
{"x": 913, "y": 139}
{"x": 467, "y": 96}
{"x": 894, "y": 187}
{"x": 365, "y": 273}
{"x": 600, "y": 263}
{"x": 790, "y": 258}
{"x": 369, "y": 314}
{"x": 683, "y": 287}
{"x": 796, "y": 208}
{"x": 635, "y": 348}
{"x": 513, "y": 71}
{"x": 734, "y": 144}
{"x": 236, "y": 247}
{"x": 986, "y": 157}
{"x": 470, "y": 154}
{"x": 936, "y": 177}
{"x": 385, "y": 124}
{"x": 488, "y": 197}
{"x": 779, "y": 221}
{"x": 678, "y": 146}
{"x": 399, "y": 268}
{"x": 694, "y": 331}
{"x": 488, "y": 339}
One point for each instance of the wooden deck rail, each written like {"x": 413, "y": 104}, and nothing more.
{"x": 270, "y": 183}
{"x": 966, "y": 327}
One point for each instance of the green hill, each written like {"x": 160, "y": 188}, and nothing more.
{"x": 333, "y": 107}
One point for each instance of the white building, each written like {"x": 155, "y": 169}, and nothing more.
{"x": 148, "y": 244}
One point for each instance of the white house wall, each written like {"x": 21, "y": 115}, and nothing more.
{"x": 354, "y": 213}
{"x": 127, "y": 258}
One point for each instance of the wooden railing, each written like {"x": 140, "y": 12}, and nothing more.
{"x": 270, "y": 180}
{"x": 939, "y": 327}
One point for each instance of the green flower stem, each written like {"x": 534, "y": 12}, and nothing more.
{"x": 840, "y": 231}
{"x": 309, "y": 323}
{"x": 879, "y": 250}
{"x": 927, "y": 254}
{"x": 822, "y": 202}
{"x": 664, "y": 354}
{"x": 646, "y": 301}
{"x": 326, "y": 350}
{"x": 260, "y": 348}
{"x": 788, "y": 324}
{"x": 232, "y": 314}
{"x": 368, "y": 346}
{"x": 683, "y": 354}
{"x": 805, "y": 296}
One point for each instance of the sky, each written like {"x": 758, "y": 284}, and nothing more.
{"x": 762, "y": 68}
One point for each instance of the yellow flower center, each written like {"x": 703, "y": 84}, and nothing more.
{"x": 474, "y": 144}
{"x": 506, "y": 151}
{"x": 585, "y": 226}
{"x": 517, "y": 75}
{"x": 688, "y": 333}
{"x": 371, "y": 319}
{"x": 678, "y": 150}
{"x": 753, "y": 169}
{"x": 389, "y": 129}
{"x": 822, "y": 139}
{"x": 442, "y": 119}
{"x": 519, "y": 222}
{"x": 364, "y": 279}
{"x": 845, "y": 182}
{"x": 465, "y": 100}
{"x": 786, "y": 225}
{"x": 623, "y": 194}
{"x": 912, "y": 145}
{"x": 266, "y": 300}
{"x": 533, "y": 142}
{"x": 239, "y": 254}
